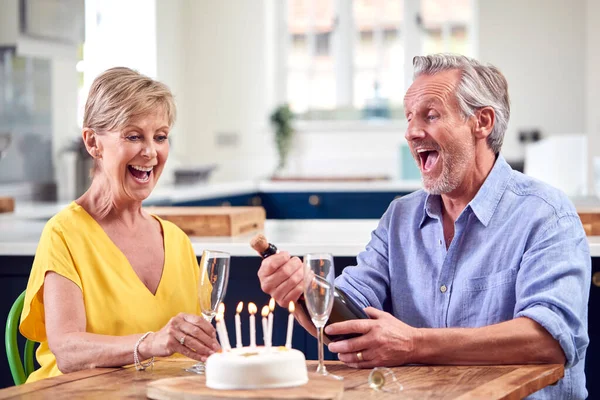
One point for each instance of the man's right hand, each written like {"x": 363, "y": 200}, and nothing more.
{"x": 281, "y": 277}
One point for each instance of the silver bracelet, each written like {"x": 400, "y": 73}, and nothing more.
{"x": 140, "y": 366}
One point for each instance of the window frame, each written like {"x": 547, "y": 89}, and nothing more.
{"x": 342, "y": 43}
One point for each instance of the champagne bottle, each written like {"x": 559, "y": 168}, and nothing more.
{"x": 344, "y": 308}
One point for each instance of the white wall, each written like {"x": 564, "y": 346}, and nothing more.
{"x": 171, "y": 66}
{"x": 540, "y": 47}
{"x": 227, "y": 87}
{"x": 592, "y": 64}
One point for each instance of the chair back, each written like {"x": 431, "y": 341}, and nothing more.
{"x": 19, "y": 371}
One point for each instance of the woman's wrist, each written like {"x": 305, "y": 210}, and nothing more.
{"x": 139, "y": 356}
{"x": 145, "y": 347}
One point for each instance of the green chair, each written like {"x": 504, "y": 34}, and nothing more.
{"x": 19, "y": 371}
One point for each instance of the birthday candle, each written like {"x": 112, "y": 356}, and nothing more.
{"x": 252, "y": 310}
{"x": 218, "y": 319}
{"x": 290, "y": 327}
{"x": 270, "y": 322}
{"x": 264, "y": 313}
{"x": 238, "y": 325}
{"x": 226, "y": 346}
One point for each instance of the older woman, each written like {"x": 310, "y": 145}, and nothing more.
{"x": 112, "y": 285}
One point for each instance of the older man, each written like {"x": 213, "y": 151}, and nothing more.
{"x": 483, "y": 266}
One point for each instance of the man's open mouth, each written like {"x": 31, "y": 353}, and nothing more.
{"x": 428, "y": 158}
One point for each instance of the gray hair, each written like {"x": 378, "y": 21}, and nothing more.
{"x": 481, "y": 85}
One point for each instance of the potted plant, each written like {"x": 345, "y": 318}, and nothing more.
{"x": 281, "y": 118}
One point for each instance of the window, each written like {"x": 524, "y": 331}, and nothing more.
{"x": 345, "y": 59}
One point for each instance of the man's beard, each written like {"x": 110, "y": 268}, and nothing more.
{"x": 455, "y": 162}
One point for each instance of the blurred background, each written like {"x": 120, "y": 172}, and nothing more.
{"x": 343, "y": 67}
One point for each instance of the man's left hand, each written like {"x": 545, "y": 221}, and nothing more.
{"x": 385, "y": 341}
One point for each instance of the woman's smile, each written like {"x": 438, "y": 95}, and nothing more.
{"x": 139, "y": 173}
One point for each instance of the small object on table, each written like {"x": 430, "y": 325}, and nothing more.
{"x": 378, "y": 378}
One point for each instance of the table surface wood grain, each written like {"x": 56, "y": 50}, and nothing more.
{"x": 418, "y": 382}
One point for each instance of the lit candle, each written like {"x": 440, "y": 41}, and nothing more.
{"x": 270, "y": 322}
{"x": 252, "y": 310}
{"x": 238, "y": 325}
{"x": 226, "y": 346}
{"x": 290, "y": 328}
{"x": 218, "y": 318}
{"x": 264, "y": 313}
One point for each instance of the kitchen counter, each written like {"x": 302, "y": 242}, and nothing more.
{"x": 20, "y": 232}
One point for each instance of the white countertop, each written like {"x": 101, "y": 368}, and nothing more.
{"x": 20, "y": 232}
{"x": 19, "y": 237}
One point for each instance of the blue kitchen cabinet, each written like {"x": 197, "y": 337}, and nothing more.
{"x": 327, "y": 205}
{"x": 309, "y": 205}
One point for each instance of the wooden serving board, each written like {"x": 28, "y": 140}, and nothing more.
{"x": 194, "y": 388}
{"x": 591, "y": 222}
{"x": 213, "y": 221}
{"x": 7, "y": 204}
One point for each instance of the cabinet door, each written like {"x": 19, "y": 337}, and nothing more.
{"x": 327, "y": 205}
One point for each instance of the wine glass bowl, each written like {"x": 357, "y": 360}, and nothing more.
{"x": 212, "y": 287}
{"x": 319, "y": 276}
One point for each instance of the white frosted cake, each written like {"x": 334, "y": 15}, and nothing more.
{"x": 256, "y": 368}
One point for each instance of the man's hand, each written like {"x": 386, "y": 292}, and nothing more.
{"x": 281, "y": 277}
{"x": 385, "y": 341}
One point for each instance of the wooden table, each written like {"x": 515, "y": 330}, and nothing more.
{"x": 419, "y": 382}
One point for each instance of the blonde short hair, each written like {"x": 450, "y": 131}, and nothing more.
{"x": 120, "y": 94}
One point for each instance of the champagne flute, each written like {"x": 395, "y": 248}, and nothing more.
{"x": 318, "y": 294}
{"x": 212, "y": 286}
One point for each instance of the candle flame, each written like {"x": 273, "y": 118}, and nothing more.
{"x": 240, "y": 307}
{"x": 271, "y": 304}
{"x": 265, "y": 311}
{"x": 292, "y": 307}
{"x": 252, "y": 308}
{"x": 218, "y": 317}
{"x": 221, "y": 309}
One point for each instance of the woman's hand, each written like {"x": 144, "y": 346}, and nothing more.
{"x": 385, "y": 341}
{"x": 198, "y": 337}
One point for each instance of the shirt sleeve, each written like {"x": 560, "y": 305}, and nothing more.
{"x": 53, "y": 255}
{"x": 553, "y": 285}
{"x": 368, "y": 282}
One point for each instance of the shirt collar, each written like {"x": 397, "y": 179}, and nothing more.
{"x": 485, "y": 201}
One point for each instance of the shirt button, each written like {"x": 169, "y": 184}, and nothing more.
{"x": 440, "y": 242}
{"x": 443, "y": 288}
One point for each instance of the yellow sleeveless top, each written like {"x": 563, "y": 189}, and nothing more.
{"x": 116, "y": 301}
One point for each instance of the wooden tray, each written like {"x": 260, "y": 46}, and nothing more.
{"x": 213, "y": 221}
{"x": 7, "y": 204}
{"x": 194, "y": 388}
{"x": 591, "y": 222}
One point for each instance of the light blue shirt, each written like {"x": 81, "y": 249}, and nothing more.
{"x": 519, "y": 250}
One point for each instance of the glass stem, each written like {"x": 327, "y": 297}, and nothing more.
{"x": 321, "y": 368}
